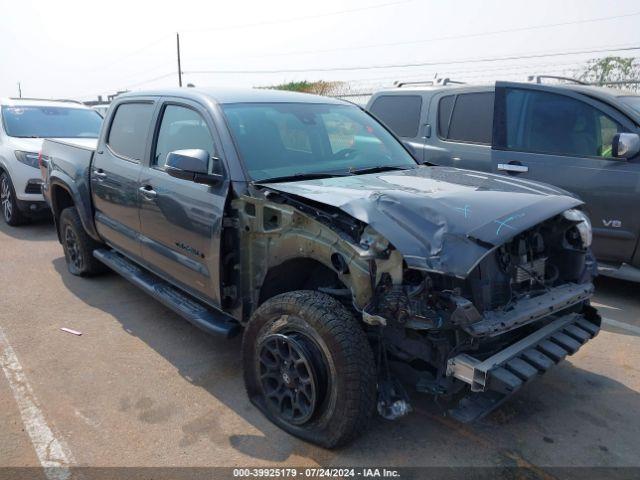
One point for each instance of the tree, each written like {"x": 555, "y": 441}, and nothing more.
{"x": 604, "y": 71}
{"x": 320, "y": 87}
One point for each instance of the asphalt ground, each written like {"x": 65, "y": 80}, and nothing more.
{"x": 143, "y": 388}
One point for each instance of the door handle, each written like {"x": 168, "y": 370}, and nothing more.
{"x": 99, "y": 173}
{"x": 148, "y": 192}
{"x": 513, "y": 168}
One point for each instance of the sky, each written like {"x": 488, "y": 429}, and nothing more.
{"x": 82, "y": 49}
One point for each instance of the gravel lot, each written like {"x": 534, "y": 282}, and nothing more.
{"x": 141, "y": 387}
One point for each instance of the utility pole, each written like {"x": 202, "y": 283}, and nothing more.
{"x": 179, "y": 67}
{"x": 19, "y": 90}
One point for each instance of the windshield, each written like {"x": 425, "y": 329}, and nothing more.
{"x": 287, "y": 139}
{"x": 633, "y": 101}
{"x": 50, "y": 122}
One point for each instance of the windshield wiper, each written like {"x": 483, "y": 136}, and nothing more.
{"x": 301, "y": 176}
{"x": 379, "y": 168}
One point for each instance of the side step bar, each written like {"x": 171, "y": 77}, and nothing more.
{"x": 209, "y": 320}
{"x": 494, "y": 379}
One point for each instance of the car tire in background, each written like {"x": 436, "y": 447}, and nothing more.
{"x": 8, "y": 202}
{"x": 78, "y": 246}
{"x": 309, "y": 367}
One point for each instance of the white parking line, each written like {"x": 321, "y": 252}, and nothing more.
{"x": 53, "y": 454}
{"x": 624, "y": 326}
{"x": 602, "y": 305}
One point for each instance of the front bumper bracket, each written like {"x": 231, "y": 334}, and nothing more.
{"x": 493, "y": 379}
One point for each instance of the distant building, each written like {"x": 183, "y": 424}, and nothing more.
{"x": 102, "y": 101}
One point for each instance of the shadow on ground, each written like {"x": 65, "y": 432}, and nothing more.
{"x": 35, "y": 231}
{"x": 563, "y": 418}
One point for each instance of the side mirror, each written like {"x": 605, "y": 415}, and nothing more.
{"x": 625, "y": 145}
{"x": 191, "y": 165}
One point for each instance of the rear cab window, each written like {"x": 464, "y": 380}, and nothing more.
{"x": 466, "y": 117}
{"x": 129, "y": 128}
{"x": 400, "y": 113}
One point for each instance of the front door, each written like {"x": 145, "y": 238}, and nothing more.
{"x": 115, "y": 173}
{"x": 562, "y": 137}
{"x": 181, "y": 221}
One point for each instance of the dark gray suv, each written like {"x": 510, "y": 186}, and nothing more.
{"x": 583, "y": 139}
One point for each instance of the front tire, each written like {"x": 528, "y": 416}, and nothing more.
{"x": 309, "y": 368}
{"x": 9, "y": 203}
{"x": 77, "y": 245}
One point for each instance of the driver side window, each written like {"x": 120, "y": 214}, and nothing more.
{"x": 181, "y": 128}
{"x": 543, "y": 122}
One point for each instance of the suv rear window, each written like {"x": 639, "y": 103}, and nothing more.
{"x": 471, "y": 120}
{"x": 128, "y": 133}
{"x": 400, "y": 113}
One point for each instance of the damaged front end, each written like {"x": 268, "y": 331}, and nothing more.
{"x": 468, "y": 285}
{"x": 473, "y": 342}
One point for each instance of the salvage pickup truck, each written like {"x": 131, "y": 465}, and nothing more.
{"x": 354, "y": 272}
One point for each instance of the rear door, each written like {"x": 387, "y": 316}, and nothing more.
{"x": 460, "y": 126}
{"x": 561, "y": 137}
{"x": 181, "y": 221}
{"x": 115, "y": 173}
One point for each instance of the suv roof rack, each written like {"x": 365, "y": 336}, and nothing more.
{"x": 439, "y": 81}
{"x": 46, "y": 99}
{"x": 539, "y": 78}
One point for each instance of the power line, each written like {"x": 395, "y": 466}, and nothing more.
{"x": 128, "y": 55}
{"x": 248, "y": 25}
{"x": 160, "y": 77}
{"x": 409, "y": 65}
{"x": 300, "y": 18}
{"x": 437, "y": 39}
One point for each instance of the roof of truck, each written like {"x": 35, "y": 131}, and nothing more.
{"x": 238, "y": 95}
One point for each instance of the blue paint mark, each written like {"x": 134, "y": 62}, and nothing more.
{"x": 505, "y": 222}
{"x": 466, "y": 210}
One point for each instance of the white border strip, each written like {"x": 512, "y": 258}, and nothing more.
{"x": 622, "y": 325}
{"x": 53, "y": 454}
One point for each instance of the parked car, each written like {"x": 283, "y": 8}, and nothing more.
{"x": 580, "y": 138}
{"x": 24, "y": 123}
{"x": 304, "y": 221}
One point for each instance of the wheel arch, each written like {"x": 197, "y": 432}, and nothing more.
{"x": 63, "y": 196}
{"x": 297, "y": 273}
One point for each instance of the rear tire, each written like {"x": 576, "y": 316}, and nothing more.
{"x": 9, "y": 203}
{"x": 78, "y": 246}
{"x": 309, "y": 368}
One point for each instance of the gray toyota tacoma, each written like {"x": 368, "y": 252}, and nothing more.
{"x": 357, "y": 276}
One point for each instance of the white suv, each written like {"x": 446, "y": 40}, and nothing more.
{"x": 23, "y": 125}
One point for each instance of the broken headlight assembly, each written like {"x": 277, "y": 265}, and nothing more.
{"x": 583, "y": 225}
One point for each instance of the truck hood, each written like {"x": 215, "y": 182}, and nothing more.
{"x": 441, "y": 219}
